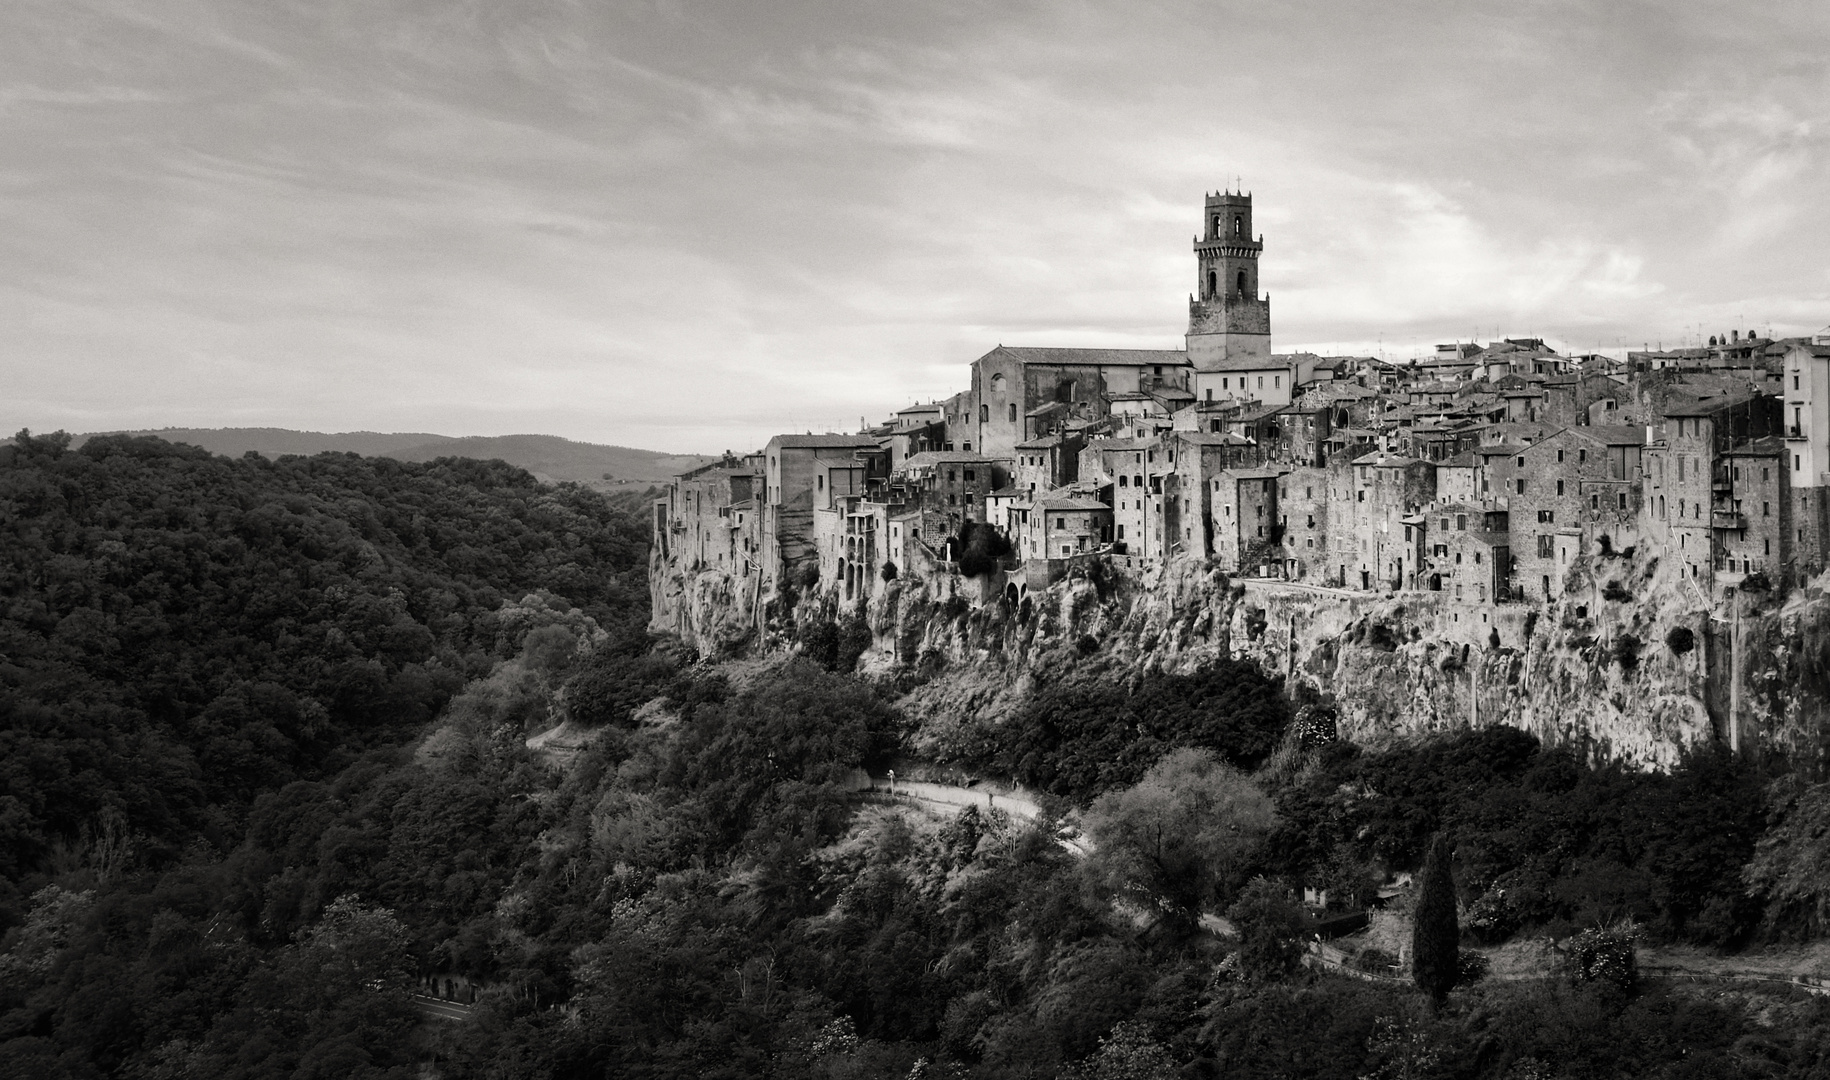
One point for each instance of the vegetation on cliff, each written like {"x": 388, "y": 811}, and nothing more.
{"x": 254, "y": 856}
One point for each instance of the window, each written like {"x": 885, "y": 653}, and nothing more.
{"x": 1013, "y": 412}
{"x": 1124, "y": 481}
{"x": 1261, "y": 382}
{"x": 1623, "y": 500}
{"x": 1559, "y": 487}
{"x": 1559, "y": 457}
{"x": 984, "y": 414}
{"x": 1546, "y": 517}
{"x": 1594, "y": 502}
{"x": 1546, "y": 546}
{"x": 1794, "y": 382}
{"x": 1521, "y": 485}
{"x": 1461, "y": 523}
{"x": 949, "y": 476}
{"x": 1061, "y": 523}
{"x": 1277, "y": 382}
{"x": 1581, "y": 456}
{"x": 1521, "y": 462}
{"x": 819, "y": 482}
{"x": 1766, "y": 509}
{"x": 969, "y": 476}
{"x": 1121, "y": 532}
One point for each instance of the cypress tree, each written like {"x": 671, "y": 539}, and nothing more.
{"x": 1434, "y": 930}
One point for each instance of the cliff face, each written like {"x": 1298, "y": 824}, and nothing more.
{"x": 1590, "y": 671}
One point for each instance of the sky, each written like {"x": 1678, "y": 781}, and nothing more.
{"x": 689, "y": 226}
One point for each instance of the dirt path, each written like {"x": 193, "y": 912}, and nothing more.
{"x": 951, "y": 799}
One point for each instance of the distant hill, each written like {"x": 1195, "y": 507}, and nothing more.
{"x": 547, "y": 456}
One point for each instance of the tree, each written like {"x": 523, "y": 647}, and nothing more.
{"x": 1182, "y": 837}
{"x": 1434, "y": 932}
{"x": 1270, "y": 923}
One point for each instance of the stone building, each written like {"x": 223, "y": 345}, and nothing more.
{"x": 800, "y": 472}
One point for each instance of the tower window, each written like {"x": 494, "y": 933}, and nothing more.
{"x": 1238, "y": 225}
{"x": 1242, "y": 283}
{"x": 1213, "y": 283}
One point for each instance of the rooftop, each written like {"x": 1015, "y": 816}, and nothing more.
{"x": 1094, "y": 357}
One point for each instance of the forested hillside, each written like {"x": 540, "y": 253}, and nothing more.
{"x": 264, "y": 766}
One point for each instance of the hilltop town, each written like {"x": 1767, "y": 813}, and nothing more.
{"x": 1484, "y": 473}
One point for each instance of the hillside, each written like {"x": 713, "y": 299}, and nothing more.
{"x": 548, "y": 457}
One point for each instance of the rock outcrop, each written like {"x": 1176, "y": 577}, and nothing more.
{"x": 1635, "y": 665}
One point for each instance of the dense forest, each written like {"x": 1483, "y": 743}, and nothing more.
{"x": 264, "y": 766}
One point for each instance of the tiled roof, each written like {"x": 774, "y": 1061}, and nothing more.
{"x": 820, "y": 442}
{"x": 1099, "y": 357}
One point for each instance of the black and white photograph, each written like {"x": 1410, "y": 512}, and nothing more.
{"x": 940, "y": 540}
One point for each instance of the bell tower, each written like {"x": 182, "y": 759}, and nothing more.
{"x": 1227, "y": 321}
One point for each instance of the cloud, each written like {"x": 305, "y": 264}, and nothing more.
{"x": 696, "y": 225}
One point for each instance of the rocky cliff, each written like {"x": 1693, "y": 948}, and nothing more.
{"x": 1634, "y": 665}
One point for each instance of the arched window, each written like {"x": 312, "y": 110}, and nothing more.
{"x": 1013, "y": 412}
{"x": 1238, "y": 225}
{"x": 1242, "y": 283}
{"x": 1213, "y": 283}
{"x": 997, "y": 383}
{"x": 984, "y": 414}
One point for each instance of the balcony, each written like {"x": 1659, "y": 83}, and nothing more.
{"x": 1726, "y": 519}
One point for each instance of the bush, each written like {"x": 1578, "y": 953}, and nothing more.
{"x": 1471, "y": 967}
{"x": 1614, "y": 592}
{"x": 1626, "y": 652}
{"x": 1680, "y": 640}
{"x": 1270, "y": 923}
{"x": 888, "y": 573}
{"x": 1604, "y": 955}
{"x": 978, "y": 548}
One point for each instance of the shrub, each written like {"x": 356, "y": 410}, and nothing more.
{"x": 1270, "y": 923}
{"x": 1680, "y": 640}
{"x": 1604, "y": 955}
{"x": 888, "y": 573}
{"x": 1626, "y": 651}
{"x": 1613, "y": 591}
{"x": 978, "y": 547}
{"x": 1757, "y": 582}
{"x": 1471, "y": 967}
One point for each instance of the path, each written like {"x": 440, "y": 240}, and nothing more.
{"x": 958, "y": 798}
{"x": 443, "y": 1010}
{"x": 1325, "y": 957}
